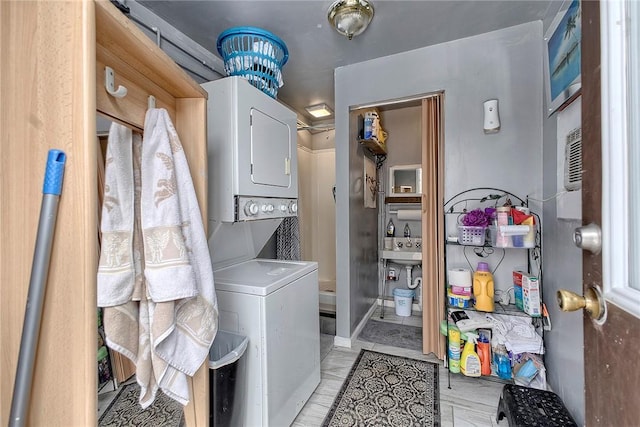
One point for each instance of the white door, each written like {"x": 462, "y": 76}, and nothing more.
{"x": 270, "y": 150}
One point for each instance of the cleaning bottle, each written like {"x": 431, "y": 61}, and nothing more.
{"x": 391, "y": 229}
{"x": 454, "y": 349}
{"x": 501, "y": 361}
{"x": 407, "y": 230}
{"x": 483, "y": 288}
{"x": 502, "y": 218}
{"x": 483, "y": 348}
{"x": 469, "y": 361}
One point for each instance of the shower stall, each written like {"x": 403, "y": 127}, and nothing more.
{"x": 317, "y": 213}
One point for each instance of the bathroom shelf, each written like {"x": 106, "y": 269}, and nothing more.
{"x": 403, "y": 199}
{"x": 466, "y": 201}
{"x": 508, "y": 309}
{"x": 486, "y": 245}
{"x": 374, "y": 146}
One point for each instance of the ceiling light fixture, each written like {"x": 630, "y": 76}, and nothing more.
{"x": 350, "y": 17}
{"x": 319, "y": 111}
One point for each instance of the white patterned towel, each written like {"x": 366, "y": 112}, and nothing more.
{"x": 176, "y": 316}
{"x": 116, "y": 273}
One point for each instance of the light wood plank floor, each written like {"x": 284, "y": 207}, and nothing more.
{"x": 468, "y": 402}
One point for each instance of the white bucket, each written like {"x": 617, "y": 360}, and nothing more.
{"x": 403, "y": 299}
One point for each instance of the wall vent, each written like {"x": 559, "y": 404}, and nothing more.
{"x": 573, "y": 160}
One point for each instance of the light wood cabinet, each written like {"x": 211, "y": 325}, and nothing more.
{"x": 51, "y": 85}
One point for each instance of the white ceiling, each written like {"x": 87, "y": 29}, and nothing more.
{"x": 316, "y": 49}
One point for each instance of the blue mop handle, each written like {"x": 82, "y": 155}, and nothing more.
{"x": 39, "y": 272}
{"x": 54, "y": 173}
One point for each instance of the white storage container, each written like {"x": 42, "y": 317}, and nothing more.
{"x": 403, "y": 299}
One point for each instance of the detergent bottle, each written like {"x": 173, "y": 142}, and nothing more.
{"x": 469, "y": 360}
{"x": 483, "y": 288}
{"x": 483, "y": 348}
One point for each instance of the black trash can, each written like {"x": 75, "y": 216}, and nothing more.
{"x": 226, "y": 378}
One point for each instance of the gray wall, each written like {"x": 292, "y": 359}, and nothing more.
{"x": 405, "y": 132}
{"x": 521, "y": 158}
{"x": 562, "y": 270}
{"x": 505, "y": 64}
{"x": 404, "y": 147}
{"x": 362, "y": 237}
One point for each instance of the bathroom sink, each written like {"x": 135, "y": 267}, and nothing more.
{"x": 405, "y": 251}
{"x": 415, "y": 260}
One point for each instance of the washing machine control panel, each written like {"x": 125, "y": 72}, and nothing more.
{"x": 253, "y": 208}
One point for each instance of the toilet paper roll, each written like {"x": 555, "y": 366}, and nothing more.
{"x": 460, "y": 277}
{"x": 410, "y": 214}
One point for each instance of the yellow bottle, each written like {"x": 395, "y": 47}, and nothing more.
{"x": 483, "y": 288}
{"x": 454, "y": 349}
{"x": 530, "y": 237}
{"x": 469, "y": 360}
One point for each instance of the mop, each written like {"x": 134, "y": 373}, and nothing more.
{"x": 51, "y": 190}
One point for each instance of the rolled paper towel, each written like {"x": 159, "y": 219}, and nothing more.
{"x": 410, "y": 214}
{"x": 460, "y": 277}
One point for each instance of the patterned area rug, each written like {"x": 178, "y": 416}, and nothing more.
{"x": 393, "y": 334}
{"x": 386, "y": 390}
{"x": 125, "y": 410}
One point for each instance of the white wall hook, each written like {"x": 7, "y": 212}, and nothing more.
{"x": 109, "y": 84}
{"x": 151, "y": 102}
{"x": 158, "y": 35}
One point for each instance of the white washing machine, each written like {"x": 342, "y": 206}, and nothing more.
{"x": 275, "y": 304}
{"x": 253, "y": 185}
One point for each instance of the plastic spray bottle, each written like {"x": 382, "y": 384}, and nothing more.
{"x": 454, "y": 349}
{"x": 469, "y": 361}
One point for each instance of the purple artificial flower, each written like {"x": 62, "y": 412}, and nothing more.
{"x": 491, "y": 213}
{"x": 476, "y": 218}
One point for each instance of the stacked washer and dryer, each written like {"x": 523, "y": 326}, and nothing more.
{"x": 253, "y": 185}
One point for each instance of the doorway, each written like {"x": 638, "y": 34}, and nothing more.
{"x": 414, "y": 136}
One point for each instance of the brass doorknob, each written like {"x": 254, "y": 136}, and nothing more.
{"x": 592, "y": 302}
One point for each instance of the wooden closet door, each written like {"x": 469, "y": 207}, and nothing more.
{"x": 48, "y": 101}
{"x": 48, "y": 88}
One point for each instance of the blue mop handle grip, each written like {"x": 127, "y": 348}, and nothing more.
{"x": 54, "y": 172}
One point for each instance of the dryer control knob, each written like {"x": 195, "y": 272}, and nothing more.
{"x": 283, "y": 208}
{"x": 251, "y": 208}
{"x": 293, "y": 207}
{"x": 268, "y": 208}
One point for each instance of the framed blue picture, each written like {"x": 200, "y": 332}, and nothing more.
{"x": 562, "y": 56}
